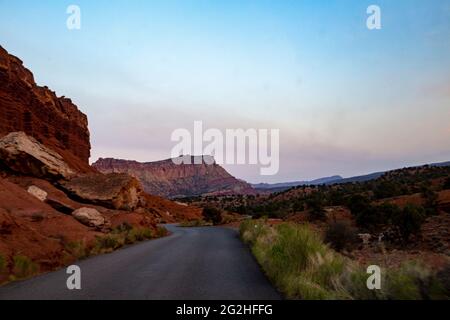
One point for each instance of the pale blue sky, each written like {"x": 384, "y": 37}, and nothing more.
{"x": 346, "y": 100}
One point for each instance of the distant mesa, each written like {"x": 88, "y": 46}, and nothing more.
{"x": 167, "y": 178}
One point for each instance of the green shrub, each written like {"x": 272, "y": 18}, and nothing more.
{"x": 24, "y": 267}
{"x": 430, "y": 201}
{"x": 316, "y": 207}
{"x": 297, "y": 261}
{"x": 409, "y": 220}
{"x": 213, "y": 215}
{"x": 446, "y": 184}
{"x": 161, "y": 232}
{"x": 341, "y": 235}
{"x": 139, "y": 234}
{"x": 78, "y": 249}
{"x": 123, "y": 228}
{"x": 108, "y": 243}
{"x": 195, "y": 223}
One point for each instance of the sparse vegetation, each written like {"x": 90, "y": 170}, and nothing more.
{"x": 195, "y": 223}
{"x": 212, "y": 214}
{"x": 303, "y": 267}
{"x": 409, "y": 220}
{"x": 123, "y": 235}
{"x": 446, "y": 183}
{"x": 341, "y": 236}
{"x": 78, "y": 249}
{"x": 24, "y": 267}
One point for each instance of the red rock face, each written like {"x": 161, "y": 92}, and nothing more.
{"x": 166, "y": 179}
{"x": 37, "y": 111}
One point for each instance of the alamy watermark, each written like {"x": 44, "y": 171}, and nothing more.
{"x": 374, "y": 20}
{"x": 73, "y": 22}
{"x": 374, "y": 280}
{"x": 74, "y": 280}
{"x": 234, "y": 146}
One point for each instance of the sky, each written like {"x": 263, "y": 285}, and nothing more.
{"x": 347, "y": 100}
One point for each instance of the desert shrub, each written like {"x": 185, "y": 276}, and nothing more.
{"x": 316, "y": 207}
{"x": 446, "y": 184}
{"x": 430, "y": 201}
{"x": 251, "y": 230}
{"x": 37, "y": 217}
{"x": 3, "y": 263}
{"x": 139, "y": 234}
{"x": 387, "y": 189}
{"x": 161, "y": 232}
{"x": 24, "y": 267}
{"x": 78, "y": 249}
{"x": 443, "y": 277}
{"x": 195, "y": 223}
{"x": 123, "y": 228}
{"x": 303, "y": 267}
{"x": 409, "y": 220}
{"x": 295, "y": 259}
{"x": 341, "y": 235}
{"x": 212, "y": 214}
{"x": 108, "y": 243}
{"x": 413, "y": 281}
{"x": 372, "y": 217}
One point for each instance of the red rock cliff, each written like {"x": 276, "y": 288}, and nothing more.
{"x": 54, "y": 121}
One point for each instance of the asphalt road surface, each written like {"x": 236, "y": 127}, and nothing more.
{"x": 192, "y": 263}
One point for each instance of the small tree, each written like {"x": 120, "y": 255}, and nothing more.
{"x": 341, "y": 235}
{"x": 212, "y": 214}
{"x": 315, "y": 206}
{"x": 431, "y": 201}
{"x": 447, "y": 184}
{"x": 409, "y": 221}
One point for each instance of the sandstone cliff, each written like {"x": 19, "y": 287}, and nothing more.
{"x": 167, "y": 179}
{"x": 54, "y": 121}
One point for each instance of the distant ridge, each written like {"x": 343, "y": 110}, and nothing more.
{"x": 278, "y": 187}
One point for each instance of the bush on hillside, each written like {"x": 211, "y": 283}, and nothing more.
{"x": 341, "y": 235}
{"x": 213, "y": 215}
{"x": 447, "y": 184}
{"x": 409, "y": 221}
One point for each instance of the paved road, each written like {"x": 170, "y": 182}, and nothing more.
{"x": 192, "y": 263}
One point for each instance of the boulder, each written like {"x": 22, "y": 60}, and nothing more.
{"x": 37, "y": 192}
{"x": 115, "y": 191}
{"x": 25, "y": 155}
{"x": 90, "y": 217}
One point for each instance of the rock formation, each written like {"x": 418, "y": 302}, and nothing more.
{"x": 25, "y": 155}
{"x": 90, "y": 217}
{"x": 54, "y": 121}
{"x": 54, "y": 207}
{"x": 115, "y": 190}
{"x": 167, "y": 179}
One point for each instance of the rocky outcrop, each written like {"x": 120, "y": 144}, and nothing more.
{"x": 115, "y": 191}
{"x": 54, "y": 121}
{"x": 168, "y": 179}
{"x": 25, "y": 155}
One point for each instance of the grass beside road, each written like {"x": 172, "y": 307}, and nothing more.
{"x": 302, "y": 267}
